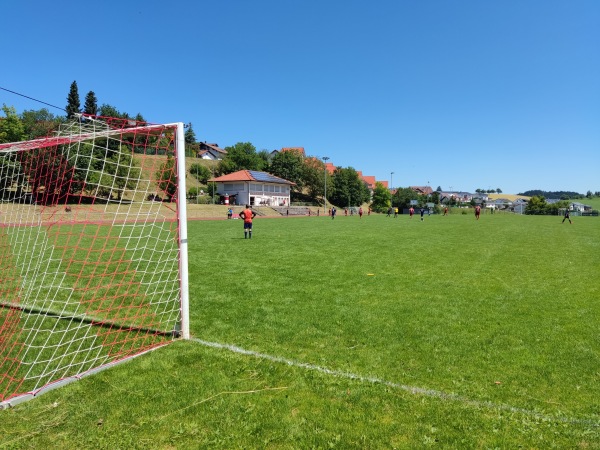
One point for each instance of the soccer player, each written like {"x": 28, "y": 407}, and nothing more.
{"x": 247, "y": 214}
{"x": 411, "y": 211}
{"x": 360, "y": 212}
{"x": 567, "y": 216}
{"x": 477, "y": 211}
{"x": 422, "y": 213}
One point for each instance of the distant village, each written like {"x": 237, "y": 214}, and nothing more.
{"x": 498, "y": 201}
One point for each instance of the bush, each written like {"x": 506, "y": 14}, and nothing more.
{"x": 193, "y": 192}
{"x": 205, "y": 200}
{"x": 200, "y": 172}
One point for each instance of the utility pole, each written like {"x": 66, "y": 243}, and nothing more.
{"x": 325, "y": 159}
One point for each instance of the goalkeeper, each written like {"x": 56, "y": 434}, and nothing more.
{"x": 247, "y": 214}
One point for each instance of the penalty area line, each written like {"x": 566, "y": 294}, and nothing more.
{"x": 415, "y": 390}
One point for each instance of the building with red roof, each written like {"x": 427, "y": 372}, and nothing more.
{"x": 252, "y": 187}
{"x": 422, "y": 190}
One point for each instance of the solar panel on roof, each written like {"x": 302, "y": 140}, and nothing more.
{"x": 265, "y": 177}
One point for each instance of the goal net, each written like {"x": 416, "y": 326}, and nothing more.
{"x": 93, "y": 250}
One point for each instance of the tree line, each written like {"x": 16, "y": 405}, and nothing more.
{"x": 308, "y": 173}
{"x": 344, "y": 186}
{"x": 562, "y": 195}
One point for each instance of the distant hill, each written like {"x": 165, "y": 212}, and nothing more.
{"x": 565, "y": 195}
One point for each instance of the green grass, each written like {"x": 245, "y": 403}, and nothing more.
{"x": 83, "y": 274}
{"x": 372, "y": 333}
{"x": 593, "y": 202}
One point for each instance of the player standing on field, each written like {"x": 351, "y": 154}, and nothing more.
{"x": 247, "y": 214}
{"x": 477, "y": 211}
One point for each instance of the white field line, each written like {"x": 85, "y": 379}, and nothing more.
{"x": 412, "y": 389}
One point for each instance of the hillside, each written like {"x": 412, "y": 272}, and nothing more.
{"x": 511, "y": 197}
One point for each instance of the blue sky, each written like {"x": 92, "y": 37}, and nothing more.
{"x": 458, "y": 94}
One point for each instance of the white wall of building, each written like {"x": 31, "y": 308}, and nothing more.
{"x": 256, "y": 193}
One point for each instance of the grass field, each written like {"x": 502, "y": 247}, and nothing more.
{"x": 359, "y": 333}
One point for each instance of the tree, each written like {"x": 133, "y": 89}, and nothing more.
{"x": 73, "y": 104}
{"x": 381, "y": 200}
{"x": 110, "y": 111}
{"x": 45, "y": 169}
{"x": 314, "y": 178}
{"x": 200, "y": 172}
{"x": 115, "y": 169}
{"x": 589, "y": 194}
{"x": 190, "y": 136}
{"x": 12, "y": 180}
{"x": 11, "y": 130}
{"x": 439, "y": 189}
{"x": 403, "y": 196}
{"x": 11, "y": 127}
{"x": 498, "y": 191}
{"x": 242, "y": 156}
{"x": 91, "y": 104}
{"x": 167, "y": 178}
{"x": 554, "y": 208}
{"x": 265, "y": 156}
{"x": 348, "y": 189}
{"x": 536, "y": 205}
{"x": 288, "y": 165}
{"x": 38, "y": 124}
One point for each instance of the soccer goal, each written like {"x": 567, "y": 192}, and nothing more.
{"x": 93, "y": 251}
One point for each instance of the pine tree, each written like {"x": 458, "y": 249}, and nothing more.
{"x": 91, "y": 104}
{"x": 190, "y": 136}
{"x": 73, "y": 104}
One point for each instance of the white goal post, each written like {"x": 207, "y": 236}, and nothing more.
{"x": 93, "y": 250}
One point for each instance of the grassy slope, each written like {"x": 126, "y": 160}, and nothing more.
{"x": 593, "y": 202}
{"x": 503, "y": 311}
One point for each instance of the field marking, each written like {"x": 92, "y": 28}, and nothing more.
{"x": 411, "y": 389}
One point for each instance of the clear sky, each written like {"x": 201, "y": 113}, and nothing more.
{"x": 459, "y": 94}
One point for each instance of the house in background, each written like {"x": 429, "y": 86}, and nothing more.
{"x": 422, "y": 190}
{"x": 369, "y": 181}
{"x": 210, "y": 151}
{"x": 299, "y": 150}
{"x": 252, "y": 187}
{"x": 458, "y": 196}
